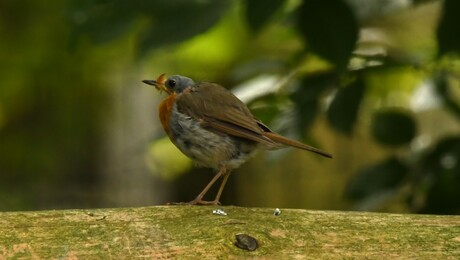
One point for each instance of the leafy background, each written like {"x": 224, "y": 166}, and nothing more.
{"x": 376, "y": 83}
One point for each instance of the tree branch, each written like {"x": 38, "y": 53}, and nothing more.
{"x": 194, "y": 231}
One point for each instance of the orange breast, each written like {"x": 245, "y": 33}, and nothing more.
{"x": 165, "y": 110}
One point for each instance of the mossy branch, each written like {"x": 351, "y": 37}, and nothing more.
{"x": 194, "y": 231}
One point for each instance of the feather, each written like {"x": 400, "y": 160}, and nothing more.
{"x": 289, "y": 142}
{"x": 223, "y": 112}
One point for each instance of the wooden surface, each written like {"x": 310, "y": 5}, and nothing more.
{"x": 163, "y": 232}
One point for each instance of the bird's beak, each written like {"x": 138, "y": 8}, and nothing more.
{"x": 159, "y": 84}
{"x": 150, "y": 82}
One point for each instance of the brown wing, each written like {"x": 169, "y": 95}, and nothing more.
{"x": 220, "y": 110}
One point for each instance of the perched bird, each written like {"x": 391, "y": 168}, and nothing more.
{"x": 214, "y": 128}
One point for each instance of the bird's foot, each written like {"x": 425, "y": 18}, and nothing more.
{"x": 196, "y": 202}
{"x": 204, "y": 202}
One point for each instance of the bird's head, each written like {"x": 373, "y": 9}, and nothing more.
{"x": 173, "y": 84}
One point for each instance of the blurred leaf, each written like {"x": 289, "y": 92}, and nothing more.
{"x": 306, "y": 114}
{"x": 102, "y": 21}
{"x": 382, "y": 81}
{"x": 442, "y": 164}
{"x": 306, "y": 97}
{"x": 444, "y": 156}
{"x": 268, "y": 107}
{"x": 344, "y": 109}
{"x": 442, "y": 88}
{"x": 313, "y": 86}
{"x": 170, "y": 21}
{"x": 330, "y": 29}
{"x": 393, "y": 127}
{"x": 377, "y": 178}
{"x": 444, "y": 196}
{"x": 258, "y": 12}
{"x": 448, "y": 32}
{"x": 184, "y": 19}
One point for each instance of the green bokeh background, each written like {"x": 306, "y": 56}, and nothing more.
{"x": 376, "y": 83}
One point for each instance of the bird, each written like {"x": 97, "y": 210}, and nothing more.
{"x": 214, "y": 128}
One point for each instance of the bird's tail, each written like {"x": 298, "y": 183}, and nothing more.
{"x": 286, "y": 141}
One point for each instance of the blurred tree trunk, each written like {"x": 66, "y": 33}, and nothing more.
{"x": 127, "y": 180}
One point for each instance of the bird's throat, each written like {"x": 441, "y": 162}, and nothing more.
{"x": 164, "y": 111}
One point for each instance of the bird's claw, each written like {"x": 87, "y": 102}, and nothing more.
{"x": 197, "y": 202}
{"x": 204, "y": 202}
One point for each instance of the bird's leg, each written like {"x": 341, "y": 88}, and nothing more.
{"x": 223, "y": 171}
{"x": 226, "y": 174}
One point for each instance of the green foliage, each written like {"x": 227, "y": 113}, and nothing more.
{"x": 344, "y": 109}
{"x": 375, "y": 179}
{"x": 52, "y": 113}
{"x": 105, "y": 21}
{"x": 259, "y": 12}
{"x": 439, "y": 171}
{"x": 330, "y": 29}
{"x": 306, "y": 98}
{"x": 393, "y": 127}
{"x": 448, "y": 32}
{"x": 268, "y": 107}
{"x": 444, "y": 91}
{"x": 56, "y": 101}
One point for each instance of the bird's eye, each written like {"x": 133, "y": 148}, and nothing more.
{"x": 171, "y": 83}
